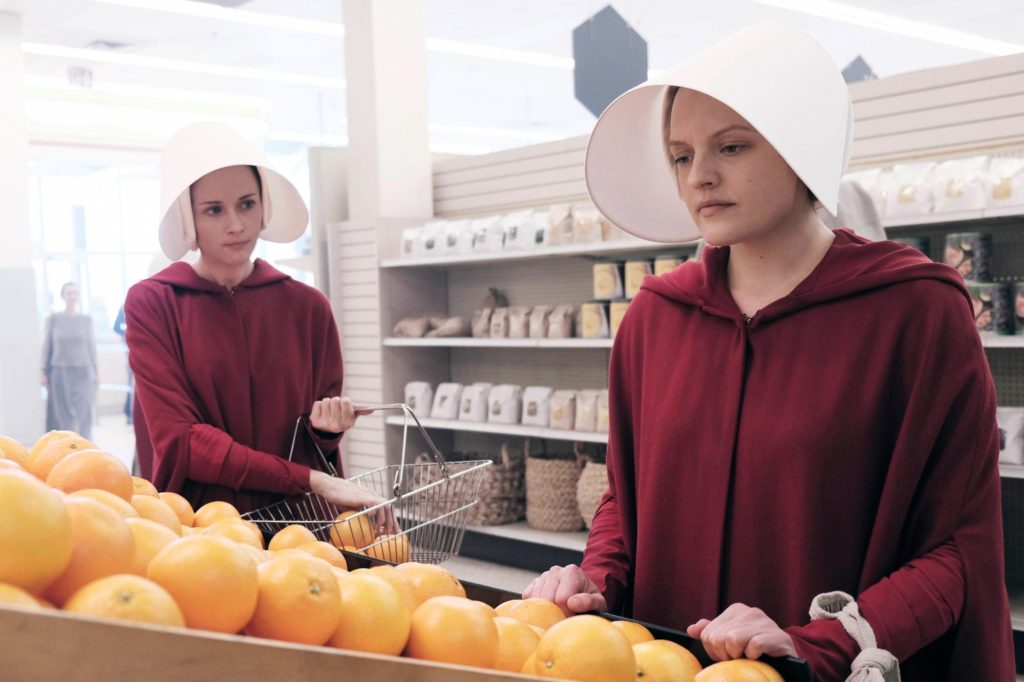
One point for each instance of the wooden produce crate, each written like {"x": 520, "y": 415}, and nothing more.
{"x": 53, "y": 645}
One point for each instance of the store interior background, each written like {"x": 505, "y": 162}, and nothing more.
{"x": 105, "y": 82}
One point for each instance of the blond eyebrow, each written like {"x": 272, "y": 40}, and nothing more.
{"x": 723, "y": 131}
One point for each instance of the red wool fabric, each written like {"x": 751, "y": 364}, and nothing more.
{"x": 844, "y": 440}
{"x": 222, "y": 378}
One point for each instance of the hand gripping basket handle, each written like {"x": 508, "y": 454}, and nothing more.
{"x": 329, "y": 468}
{"x": 405, "y": 437}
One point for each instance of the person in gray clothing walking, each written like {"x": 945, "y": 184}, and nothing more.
{"x": 69, "y": 366}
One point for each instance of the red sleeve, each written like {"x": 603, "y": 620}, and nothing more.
{"x": 328, "y": 381}
{"x": 908, "y": 610}
{"x": 951, "y": 581}
{"x": 606, "y": 560}
{"x": 185, "y": 448}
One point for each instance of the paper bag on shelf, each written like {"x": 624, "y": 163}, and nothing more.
{"x": 446, "y": 401}
{"x": 536, "y": 405}
{"x": 419, "y": 396}
{"x": 506, "y": 402}
{"x": 563, "y": 410}
{"x": 473, "y": 405}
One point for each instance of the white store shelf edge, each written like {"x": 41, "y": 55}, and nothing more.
{"x": 464, "y": 342}
{"x": 505, "y": 429}
{"x": 522, "y": 531}
{"x": 589, "y": 249}
{"x": 954, "y": 217}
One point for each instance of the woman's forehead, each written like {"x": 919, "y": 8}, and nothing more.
{"x": 232, "y": 180}
{"x": 695, "y": 113}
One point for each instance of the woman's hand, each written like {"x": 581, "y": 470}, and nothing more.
{"x": 742, "y": 631}
{"x": 342, "y": 493}
{"x": 334, "y": 415}
{"x": 570, "y": 588}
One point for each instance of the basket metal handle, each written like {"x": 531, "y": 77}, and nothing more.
{"x": 394, "y": 407}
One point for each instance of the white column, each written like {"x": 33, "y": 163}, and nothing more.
{"x": 389, "y": 179}
{"x": 386, "y": 72}
{"x": 21, "y": 409}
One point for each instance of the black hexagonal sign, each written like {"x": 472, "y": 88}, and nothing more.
{"x": 610, "y": 58}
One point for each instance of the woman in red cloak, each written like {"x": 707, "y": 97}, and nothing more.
{"x": 801, "y": 411}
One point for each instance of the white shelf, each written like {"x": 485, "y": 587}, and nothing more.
{"x": 1017, "y": 609}
{"x": 465, "y": 342}
{"x": 620, "y": 246}
{"x": 1011, "y": 470}
{"x": 955, "y": 217}
{"x": 505, "y": 429}
{"x": 1002, "y": 341}
{"x": 522, "y": 531}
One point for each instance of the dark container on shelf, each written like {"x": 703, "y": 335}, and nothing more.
{"x": 1017, "y": 306}
{"x": 968, "y": 252}
{"x": 991, "y": 308}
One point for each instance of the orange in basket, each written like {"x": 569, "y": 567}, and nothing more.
{"x": 535, "y": 611}
{"x": 214, "y": 511}
{"x": 357, "y": 532}
{"x": 656, "y": 661}
{"x": 290, "y": 536}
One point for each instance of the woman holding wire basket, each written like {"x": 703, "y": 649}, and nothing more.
{"x": 238, "y": 366}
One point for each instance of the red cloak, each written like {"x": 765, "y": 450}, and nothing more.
{"x": 222, "y": 378}
{"x": 844, "y": 439}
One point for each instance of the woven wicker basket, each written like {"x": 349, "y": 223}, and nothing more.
{"x": 502, "y": 491}
{"x": 551, "y": 494}
{"x": 590, "y": 489}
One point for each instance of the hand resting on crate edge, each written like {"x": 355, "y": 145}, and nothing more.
{"x": 570, "y": 588}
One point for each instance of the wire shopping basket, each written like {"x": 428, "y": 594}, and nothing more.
{"x": 429, "y": 503}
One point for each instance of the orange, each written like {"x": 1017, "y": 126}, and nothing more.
{"x": 12, "y": 450}
{"x": 373, "y": 616}
{"x": 453, "y": 630}
{"x": 155, "y": 509}
{"x": 633, "y": 631}
{"x": 298, "y": 601}
{"x": 290, "y": 536}
{"x": 326, "y": 551}
{"x": 393, "y": 548}
{"x": 180, "y": 506}
{"x": 103, "y": 545}
{"x": 127, "y": 597}
{"x": 535, "y": 611}
{"x": 110, "y": 499}
{"x": 41, "y": 462}
{"x": 585, "y": 648}
{"x": 690, "y": 659}
{"x": 214, "y": 511}
{"x": 502, "y": 609}
{"x": 357, "y": 532}
{"x": 234, "y": 530}
{"x": 35, "y": 532}
{"x": 657, "y": 663}
{"x": 739, "y": 670}
{"x": 141, "y": 486}
{"x": 49, "y": 437}
{"x": 257, "y": 554}
{"x": 11, "y": 465}
{"x": 214, "y": 581}
{"x": 401, "y": 582}
{"x": 516, "y": 642}
{"x": 91, "y": 469}
{"x": 150, "y": 538}
{"x": 15, "y": 596}
{"x": 429, "y": 581}
{"x": 529, "y": 664}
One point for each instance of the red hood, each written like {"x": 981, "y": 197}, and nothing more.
{"x": 851, "y": 266}
{"x": 182, "y": 276}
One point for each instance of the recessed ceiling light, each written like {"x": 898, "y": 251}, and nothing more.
{"x": 238, "y": 16}
{"x": 137, "y": 60}
{"x": 858, "y": 16}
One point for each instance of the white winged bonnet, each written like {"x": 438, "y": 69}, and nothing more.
{"x": 776, "y": 77}
{"x": 202, "y": 148}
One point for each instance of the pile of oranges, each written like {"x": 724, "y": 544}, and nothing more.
{"x": 78, "y": 532}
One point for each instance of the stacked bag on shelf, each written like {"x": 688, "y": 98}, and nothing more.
{"x": 615, "y": 285}
{"x": 913, "y": 190}
{"x": 562, "y": 410}
{"x": 524, "y": 230}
